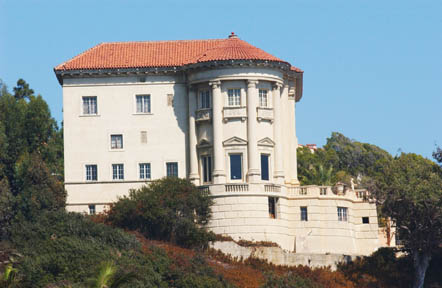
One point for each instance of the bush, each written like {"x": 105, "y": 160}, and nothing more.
{"x": 288, "y": 280}
{"x": 169, "y": 209}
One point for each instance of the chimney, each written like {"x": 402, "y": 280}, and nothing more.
{"x": 233, "y": 36}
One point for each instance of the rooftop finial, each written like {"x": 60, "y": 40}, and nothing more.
{"x": 233, "y": 35}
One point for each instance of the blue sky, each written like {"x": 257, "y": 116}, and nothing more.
{"x": 373, "y": 69}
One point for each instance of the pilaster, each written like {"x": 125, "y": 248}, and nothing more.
{"x": 193, "y": 154}
{"x": 219, "y": 174}
{"x": 278, "y": 173}
{"x": 254, "y": 172}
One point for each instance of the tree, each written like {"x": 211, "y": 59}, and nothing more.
{"x": 39, "y": 190}
{"x": 169, "y": 209}
{"x": 22, "y": 90}
{"x": 410, "y": 192}
{"x": 6, "y": 208}
{"x": 438, "y": 155}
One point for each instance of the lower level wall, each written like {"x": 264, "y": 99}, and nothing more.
{"x": 278, "y": 256}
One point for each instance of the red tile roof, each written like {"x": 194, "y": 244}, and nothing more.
{"x": 166, "y": 54}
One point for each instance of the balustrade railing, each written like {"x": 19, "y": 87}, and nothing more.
{"x": 237, "y": 187}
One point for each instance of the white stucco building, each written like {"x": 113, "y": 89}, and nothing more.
{"x": 218, "y": 112}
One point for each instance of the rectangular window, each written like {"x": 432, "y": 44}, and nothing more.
{"x": 117, "y": 141}
{"x": 90, "y": 105}
{"x": 91, "y": 173}
{"x": 342, "y": 214}
{"x": 143, "y": 103}
{"x": 365, "y": 220}
{"x": 144, "y": 170}
{"x": 262, "y": 98}
{"x": 117, "y": 171}
{"x": 204, "y": 99}
{"x": 92, "y": 210}
{"x": 323, "y": 191}
{"x": 304, "y": 215}
{"x": 172, "y": 169}
{"x": 234, "y": 97}
{"x": 264, "y": 167}
{"x": 273, "y": 201}
{"x": 207, "y": 168}
{"x": 235, "y": 167}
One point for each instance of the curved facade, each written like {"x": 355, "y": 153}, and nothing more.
{"x": 219, "y": 112}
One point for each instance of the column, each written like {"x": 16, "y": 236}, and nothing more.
{"x": 252, "y": 146}
{"x": 193, "y": 154}
{"x": 293, "y": 141}
{"x": 219, "y": 174}
{"x": 278, "y": 173}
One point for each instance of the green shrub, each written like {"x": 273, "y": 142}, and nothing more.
{"x": 169, "y": 209}
{"x": 288, "y": 280}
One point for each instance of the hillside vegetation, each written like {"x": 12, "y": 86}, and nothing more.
{"x": 155, "y": 237}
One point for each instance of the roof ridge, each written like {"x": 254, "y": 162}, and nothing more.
{"x": 164, "y": 41}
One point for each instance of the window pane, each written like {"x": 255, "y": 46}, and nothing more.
{"x": 304, "y": 215}
{"x": 116, "y": 141}
{"x": 90, "y": 105}
{"x": 264, "y": 167}
{"x": 272, "y": 207}
{"x": 143, "y": 103}
{"x": 235, "y": 167}
{"x": 172, "y": 169}
{"x": 207, "y": 168}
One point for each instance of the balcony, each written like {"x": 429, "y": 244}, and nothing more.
{"x": 234, "y": 113}
{"x": 265, "y": 114}
{"x": 203, "y": 115}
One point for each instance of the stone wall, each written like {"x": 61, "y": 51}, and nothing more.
{"x": 279, "y": 256}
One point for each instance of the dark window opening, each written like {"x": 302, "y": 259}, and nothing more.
{"x": 273, "y": 201}
{"x": 235, "y": 167}
{"x": 365, "y": 220}
{"x": 172, "y": 169}
{"x": 207, "y": 168}
{"x": 304, "y": 215}
{"x": 264, "y": 167}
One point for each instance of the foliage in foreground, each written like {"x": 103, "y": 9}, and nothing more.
{"x": 169, "y": 209}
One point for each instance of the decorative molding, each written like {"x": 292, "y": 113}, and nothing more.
{"x": 215, "y": 84}
{"x": 266, "y": 142}
{"x": 251, "y": 83}
{"x": 264, "y": 114}
{"x": 203, "y": 114}
{"x": 204, "y": 143}
{"x": 235, "y": 141}
{"x": 234, "y": 113}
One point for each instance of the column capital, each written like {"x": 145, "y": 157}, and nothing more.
{"x": 276, "y": 85}
{"x": 215, "y": 84}
{"x": 252, "y": 83}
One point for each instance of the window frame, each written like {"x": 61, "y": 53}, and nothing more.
{"x": 206, "y": 168}
{"x": 92, "y": 209}
{"x": 303, "y": 210}
{"x": 273, "y": 207}
{"x": 143, "y": 106}
{"x": 236, "y": 99}
{"x": 89, "y": 113}
{"x": 268, "y": 166}
{"x": 116, "y": 142}
{"x": 342, "y": 214}
{"x": 91, "y": 173}
{"x": 241, "y": 170}
{"x": 204, "y": 99}
{"x": 167, "y": 168}
{"x": 147, "y": 175}
{"x": 261, "y": 98}
{"x": 119, "y": 169}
